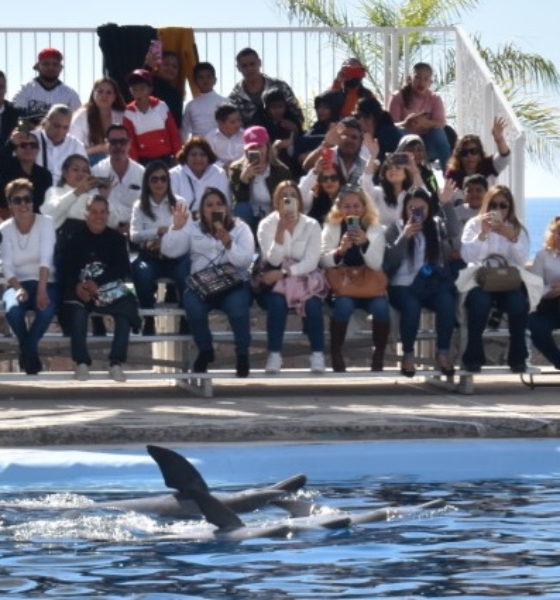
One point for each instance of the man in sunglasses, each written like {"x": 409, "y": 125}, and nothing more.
{"x": 122, "y": 174}
{"x": 22, "y": 165}
{"x": 46, "y": 90}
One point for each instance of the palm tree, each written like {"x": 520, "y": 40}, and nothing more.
{"x": 522, "y": 76}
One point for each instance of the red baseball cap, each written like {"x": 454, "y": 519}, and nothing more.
{"x": 48, "y": 53}
{"x": 139, "y": 75}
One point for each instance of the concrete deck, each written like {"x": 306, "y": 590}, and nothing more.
{"x": 241, "y": 411}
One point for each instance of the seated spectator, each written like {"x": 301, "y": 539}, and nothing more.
{"x": 422, "y": 174}
{"x": 210, "y": 241}
{"x": 199, "y": 116}
{"x": 346, "y": 244}
{"x": 122, "y": 175}
{"x": 496, "y": 230}
{"x": 254, "y": 178}
{"x": 90, "y": 123}
{"x": 346, "y": 140}
{"x": 94, "y": 267}
{"x": 66, "y": 202}
{"x": 416, "y": 109}
{"x": 474, "y": 188}
{"x": 226, "y": 140}
{"x": 55, "y": 141}
{"x": 197, "y": 170}
{"x": 320, "y": 187}
{"x": 419, "y": 277}
{"x": 27, "y": 259}
{"x": 166, "y": 88}
{"x": 469, "y": 158}
{"x": 546, "y": 318}
{"x": 9, "y": 114}
{"x": 151, "y": 218}
{"x": 378, "y": 123}
{"x": 395, "y": 179}
{"x": 151, "y": 127}
{"x": 290, "y": 246}
{"x": 327, "y": 110}
{"x": 22, "y": 165}
{"x": 349, "y": 83}
{"x": 247, "y": 94}
{"x": 37, "y": 97}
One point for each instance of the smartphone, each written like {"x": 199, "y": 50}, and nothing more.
{"x": 254, "y": 157}
{"x": 156, "y": 50}
{"x": 289, "y": 206}
{"x": 496, "y": 216}
{"x": 417, "y": 214}
{"x": 102, "y": 182}
{"x": 217, "y": 216}
{"x": 352, "y": 222}
{"x": 25, "y": 125}
{"x": 327, "y": 154}
{"x": 399, "y": 158}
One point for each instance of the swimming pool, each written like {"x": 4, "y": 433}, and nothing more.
{"x": 497, "y": 537}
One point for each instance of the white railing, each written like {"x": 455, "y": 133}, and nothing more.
{"x": 308, "y": 59}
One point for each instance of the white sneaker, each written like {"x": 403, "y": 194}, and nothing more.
{"x": 273, "y": 363}
{"x": 317, "y": 362}
{"x": 81, "y": 372}
{"x": 116, "y": 373}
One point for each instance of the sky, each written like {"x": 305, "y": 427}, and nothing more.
{"x": 533, "y": 26}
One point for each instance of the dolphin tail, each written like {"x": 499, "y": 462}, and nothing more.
{"x": 296, "y": 508}
{"x": 215, "y": 511}
{"x": 178, "y": 473}
{"x": 292, "y": 484}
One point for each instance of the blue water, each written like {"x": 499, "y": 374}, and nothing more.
{"x": 538, "y": 214}
{"x": 497, "y": 537}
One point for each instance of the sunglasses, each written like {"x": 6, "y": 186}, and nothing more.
{"x": 498, "y": 205}
{"x": 156, "y": 178}
{"x": 325, "y": 178}
{"x": 118, "y": 141}
{"x": 25, "y": 145}
{"x": 467, "y": 151}
{"x": 17, "y": 200}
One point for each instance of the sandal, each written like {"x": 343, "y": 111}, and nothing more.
{"x": 444, "y": 365}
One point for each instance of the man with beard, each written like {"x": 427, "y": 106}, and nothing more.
{"x": 36, "y": 97}
{"x": 349, "y": 83}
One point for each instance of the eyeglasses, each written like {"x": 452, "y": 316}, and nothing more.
{"x": 17, "y": 200}
{"x": 325, "y": 178}
{"x": 158, "y": 178}
{"x": 25, "y": 145}
{"x": 118, "y": 141}
{"x": 498, "y": 205}
{"x": 466, "y": 151}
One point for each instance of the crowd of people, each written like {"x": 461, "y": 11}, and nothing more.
{"x": 236, "y": 202}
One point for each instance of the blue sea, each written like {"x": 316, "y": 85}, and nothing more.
{"x": 538, "y": 214}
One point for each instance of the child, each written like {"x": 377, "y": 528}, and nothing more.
{"x": 198, "y": 118}
{"x": 151, "y": 127}
{"x": 227, "y": 139}
{"x": 474, "y": 187}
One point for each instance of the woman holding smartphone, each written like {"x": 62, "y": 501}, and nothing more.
{"x": 152, "y": 215}
{"x": 496, "y": 230}
{"x": 352, "y": 236}
{"x": 216, "y": 238}
{"x": 290, "y": 244}
{"x": 416, "y": 262}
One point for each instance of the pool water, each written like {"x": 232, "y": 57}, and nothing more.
{"x": 497, "y": 536}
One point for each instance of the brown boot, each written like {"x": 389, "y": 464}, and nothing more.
{"x": 379, "y": 336}
{"x": 338, "y": 333}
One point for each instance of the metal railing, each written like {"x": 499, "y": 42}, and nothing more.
{"x": 308, "y": 59}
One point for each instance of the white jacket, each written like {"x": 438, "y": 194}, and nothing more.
{"x": 186, "y": 184}
{"x": 373, "y": 256}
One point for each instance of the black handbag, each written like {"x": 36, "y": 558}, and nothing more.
{"x": 497, "y": 275}
{"x": 215, "y": 279}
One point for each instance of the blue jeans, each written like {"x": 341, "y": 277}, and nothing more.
{"x": 146, "y": 272}
{"x": 442, "y": 303}
{"x": 344, "y": 306}
{"x": 78, "y": 317}
{"x": 15, "y": 315}
{"x": 277, "y": 314}
{"x": 478, "y": 305}
{"x": 234, "y": 303}
{"x": 437, "y": 146}
{"x": 541, "y": 327}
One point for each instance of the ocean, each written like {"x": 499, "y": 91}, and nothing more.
{"x": 538, "y": 214}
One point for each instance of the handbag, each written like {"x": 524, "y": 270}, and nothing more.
{"x": 108, "y": 292}
{"x": 356, "y": 282}
{"x": 497, "y": 275}
{"x": 213, "y": 280}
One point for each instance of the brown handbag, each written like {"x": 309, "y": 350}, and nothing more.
{"x": 357, "y": 282}
{"x": 496, "y": 275}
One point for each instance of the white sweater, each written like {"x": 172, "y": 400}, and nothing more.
{"x": 198, "y": 117}
{"x": 547, "y": 266}
{"x": 144, "y": 229}
{"x": 186, "y": 184}
{"x": 373, "y": 256}
{"x": 303, "y": 245}
{"x": 56, "y": 154}
{"x": 79, "y": 126}
{"x": 23, "y": 254}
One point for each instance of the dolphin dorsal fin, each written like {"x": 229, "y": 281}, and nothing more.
{"x": 178, "y": 473}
